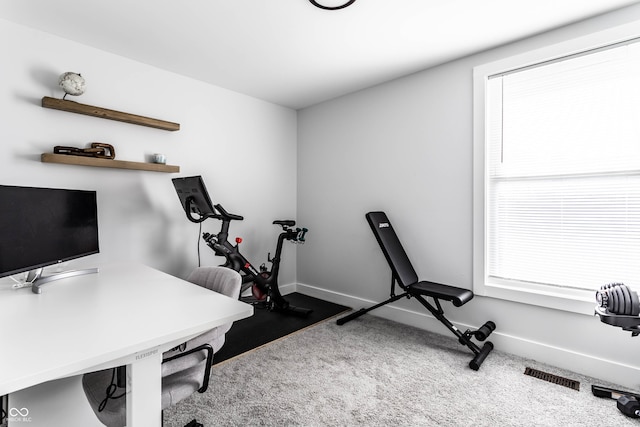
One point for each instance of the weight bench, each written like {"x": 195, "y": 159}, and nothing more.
{"x": 404, "y": 274}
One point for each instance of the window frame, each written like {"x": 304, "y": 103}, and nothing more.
{"x": 566, "y": 299}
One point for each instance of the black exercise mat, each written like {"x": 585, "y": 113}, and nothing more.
{"x": 266, "y": 326}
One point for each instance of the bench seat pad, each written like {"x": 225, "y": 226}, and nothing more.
{"x": 458, "y": 296}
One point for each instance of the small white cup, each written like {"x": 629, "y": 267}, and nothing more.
{"x": 159, "y": 158}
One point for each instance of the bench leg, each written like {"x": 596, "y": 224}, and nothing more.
{"x": 480, "y": 353}
{"x": 362, "y": 311}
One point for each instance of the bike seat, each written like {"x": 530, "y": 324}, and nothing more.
{"x": 287, "y": 222}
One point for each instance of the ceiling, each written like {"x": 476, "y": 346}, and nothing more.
{"x": 289, "y": 52}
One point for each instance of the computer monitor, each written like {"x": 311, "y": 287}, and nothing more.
{"x": 194, "y": 197}
{"x": 45, "y": 226}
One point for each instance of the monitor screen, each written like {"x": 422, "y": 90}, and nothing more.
{"x": 192, "y": 193}
{"x": 45, "y": 226}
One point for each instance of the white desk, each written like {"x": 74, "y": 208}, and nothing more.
{"x": 124, "y": 315}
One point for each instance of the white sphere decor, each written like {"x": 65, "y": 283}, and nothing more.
{"x": 72, "y": 83}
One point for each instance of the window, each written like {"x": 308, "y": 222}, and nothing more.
{"x": 557, "y": 168}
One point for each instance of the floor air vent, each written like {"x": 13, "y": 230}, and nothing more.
{"x": 552, "y": 378}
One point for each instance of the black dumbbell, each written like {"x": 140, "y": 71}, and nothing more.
{"x": 629, "y": 406}
{"x": 617, "y": 298}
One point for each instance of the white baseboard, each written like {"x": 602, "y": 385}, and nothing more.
{"x": 584, "y": 364}
{"x": 290, "y": 288}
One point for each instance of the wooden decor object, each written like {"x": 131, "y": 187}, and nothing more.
{"x": 104, "y": 113}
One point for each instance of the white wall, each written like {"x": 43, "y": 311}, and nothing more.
{"x": 243, "y": 147}
{"x": 406, "y": 147}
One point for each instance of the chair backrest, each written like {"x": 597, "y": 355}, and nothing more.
{"x": 223, "y": 280}
{"x": 393, "y": 251}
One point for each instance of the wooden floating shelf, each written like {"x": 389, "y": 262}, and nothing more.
{"x": 104, "y": 113}
{"x": 107, "y": 163}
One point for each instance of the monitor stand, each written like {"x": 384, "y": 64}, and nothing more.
{"x": 37, "y": 279}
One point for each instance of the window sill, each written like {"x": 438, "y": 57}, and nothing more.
{"x": 571, "y": 300}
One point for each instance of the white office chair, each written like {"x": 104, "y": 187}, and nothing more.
{"x": 185, "y": 369}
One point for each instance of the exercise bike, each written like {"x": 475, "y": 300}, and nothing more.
{"x": 262, "y": 282}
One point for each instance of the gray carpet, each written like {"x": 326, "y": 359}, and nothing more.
{"x": 373, "y": 372}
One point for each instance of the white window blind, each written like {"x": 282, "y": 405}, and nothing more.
{"x": 563, "y": 171}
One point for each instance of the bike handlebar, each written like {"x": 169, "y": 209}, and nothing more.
{"x": 222, "y": 214}
{"x": 226, "y": 215}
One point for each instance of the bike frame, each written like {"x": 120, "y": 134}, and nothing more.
{"x": 266, "y": 281}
